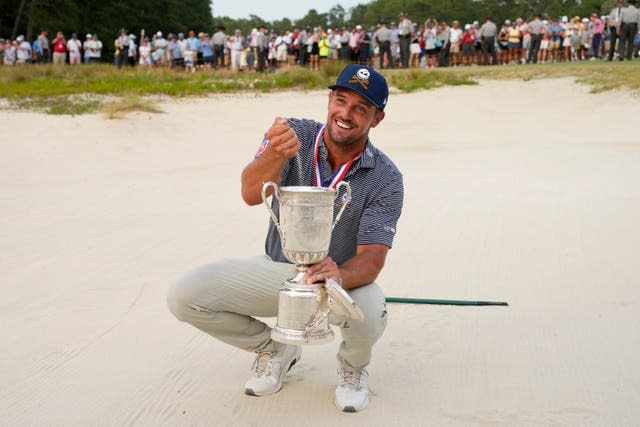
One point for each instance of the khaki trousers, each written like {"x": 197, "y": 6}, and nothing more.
{"x": 59, "y": 58}
{"x": 220, "y": 299}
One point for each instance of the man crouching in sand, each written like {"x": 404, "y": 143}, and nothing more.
{"x": 220, "y": 298}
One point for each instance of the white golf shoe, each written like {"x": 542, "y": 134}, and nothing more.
{"x": 270, "y": 368}
{"x": 352, "y": 393}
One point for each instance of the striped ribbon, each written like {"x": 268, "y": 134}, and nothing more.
{"x": 336, "y": 176}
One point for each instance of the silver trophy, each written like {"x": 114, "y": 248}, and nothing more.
{"x": 305, "y": 225}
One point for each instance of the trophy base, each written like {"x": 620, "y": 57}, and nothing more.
{"x": 297, "y": 337}
{"x": 303, "y": 313}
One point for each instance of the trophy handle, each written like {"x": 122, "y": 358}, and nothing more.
{"x": 346, "y": 201}
{"x": 321, "y": 313}
{"x": 276, "y": 194}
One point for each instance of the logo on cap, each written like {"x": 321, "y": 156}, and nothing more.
{"x": 361, "y": 77}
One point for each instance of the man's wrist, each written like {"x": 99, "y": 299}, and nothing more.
{"x": 339, "y": 278}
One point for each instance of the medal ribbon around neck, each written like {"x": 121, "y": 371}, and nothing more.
{"x": 336, "y": 176}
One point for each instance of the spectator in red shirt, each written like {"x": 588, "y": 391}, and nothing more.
{"x": 467, "y": 45}
{"x": 59, "y": 49}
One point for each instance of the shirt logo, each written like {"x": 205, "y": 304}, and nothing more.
{"x": 263, "y": 146}
{"x": 361, "y": 77}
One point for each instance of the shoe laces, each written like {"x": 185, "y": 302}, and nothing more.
{"x": 261, "y": 364}
{"x": 351, "y": 378}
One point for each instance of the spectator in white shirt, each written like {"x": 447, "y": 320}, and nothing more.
{"x": 23, "y": 54}
{"x": 10, "y": 53}
{"x": 87, "y": 52}
{"x": 236, "y": 44}
{"x": 133, "y": 50}
{"x": 74, "y": 47}
{"x": 95, "y": 49}
{"x": 455, "y": 40}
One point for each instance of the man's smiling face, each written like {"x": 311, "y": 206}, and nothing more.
{"x": 350, "y": 116}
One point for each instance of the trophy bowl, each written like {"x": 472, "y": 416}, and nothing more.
{"x": 306, "y": 220}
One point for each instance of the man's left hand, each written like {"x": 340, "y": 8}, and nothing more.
{"x": 325, "y": 269}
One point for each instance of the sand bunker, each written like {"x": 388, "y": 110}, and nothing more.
{"x": 520, "y": 191}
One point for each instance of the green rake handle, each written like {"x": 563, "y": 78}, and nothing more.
{"x": 443, "y": 301}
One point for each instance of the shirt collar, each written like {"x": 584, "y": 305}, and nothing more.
{"x": 367, "y": 160}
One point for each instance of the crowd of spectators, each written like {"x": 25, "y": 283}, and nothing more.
{"x": 403, "y": 44}
{"x": 58, "y": 50}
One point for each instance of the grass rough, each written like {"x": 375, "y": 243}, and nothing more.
{"x": 80, "y": 89}
{"x": 122, "y": 106}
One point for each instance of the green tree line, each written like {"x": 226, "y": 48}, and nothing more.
{"x": 105, "y": 18}
{"x": 465, "y": 11}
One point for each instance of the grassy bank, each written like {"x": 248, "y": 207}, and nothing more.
{"x": 90, "y": 88}
{"x": 600, "y": 76}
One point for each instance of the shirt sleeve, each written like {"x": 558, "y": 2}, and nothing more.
{"x": 380, "y": 216}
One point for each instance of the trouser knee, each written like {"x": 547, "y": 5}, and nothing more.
{"x": 368, "y": 330}
{"x": 371, "y": 301}
{"x": 184, "y": 306}
{"x": 184, "y": 297}
{"x": 177, "y": 301}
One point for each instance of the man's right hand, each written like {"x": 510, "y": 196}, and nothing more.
{"x": 283, "y": 141}
{"x": 283, "y": 145}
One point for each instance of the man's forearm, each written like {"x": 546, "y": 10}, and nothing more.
{"x": 360, "y": 270}
{"x": 280, "y": 144}
{"x": 255, "y": 174}
{"x": 363, "y": 268}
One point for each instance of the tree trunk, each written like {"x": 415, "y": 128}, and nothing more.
{"x": 14, "y": 33}
{"x": 29, "y": 33}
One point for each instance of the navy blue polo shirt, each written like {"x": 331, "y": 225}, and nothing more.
{"x": 376, "y": 195}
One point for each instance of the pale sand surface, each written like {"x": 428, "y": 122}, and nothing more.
{"x": 527, "y": 192}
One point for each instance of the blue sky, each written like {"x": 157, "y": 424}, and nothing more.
{"x": 270, "y": 10}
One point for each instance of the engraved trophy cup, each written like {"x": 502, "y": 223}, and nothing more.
{"x": 305, "y": 225}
